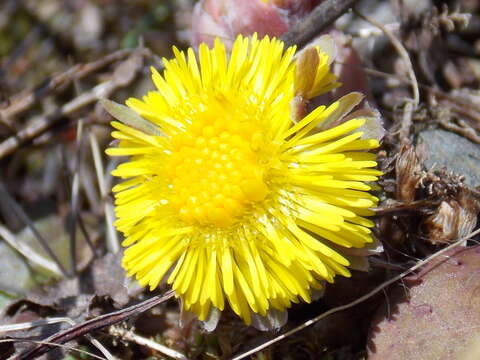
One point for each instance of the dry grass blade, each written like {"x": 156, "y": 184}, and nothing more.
{"x": 111, "y": 165}
{"x": 52, "y": 344}
{"x": 361, "y": 299}
{"x": 74, "y": 217}
{"x": 140, "y": 340}
{"x": 17, "y": 209}
{"x": 112, "y": 238}
{"x": 74, "y": 199}
{"x": 28, "y": 252}
{"x": 33, "y": 324}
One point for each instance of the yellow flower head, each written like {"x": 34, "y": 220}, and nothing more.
{"x": 227, "y": 198}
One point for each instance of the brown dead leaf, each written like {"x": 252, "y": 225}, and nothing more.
{"x": 454, "y": 218}
{"x": 109, "y": 278}
{"x": 434, "y": 318}
{"x": 408, "y": 169}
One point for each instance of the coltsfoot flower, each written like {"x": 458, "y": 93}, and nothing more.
{"x": 226, "y": 197}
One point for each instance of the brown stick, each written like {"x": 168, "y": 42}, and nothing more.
{"x": 26, "y": 99}
{"x": 124, "y": 73}
{"x": 318, "y": 20}
{"x": 92, "y": 325}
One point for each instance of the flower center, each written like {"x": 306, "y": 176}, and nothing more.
{"x": 215, "y": 172}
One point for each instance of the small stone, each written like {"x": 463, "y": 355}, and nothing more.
{"x": 457, "y": 154}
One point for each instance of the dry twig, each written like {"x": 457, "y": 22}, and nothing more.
{"x": 51, "y": 344}
{"x": 318, "y": 20}
{"x": 124, "y": 73}
{"x": 26, "y": 99}
{"x": 401, "y": 51}
{"x": 43, "y": 322}
{"x": 457, "y": 104}
{"x": 94, "y": 324}
{"x": 410, "y": 106}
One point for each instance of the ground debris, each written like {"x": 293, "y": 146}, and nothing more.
{"x": 57, "y": 58}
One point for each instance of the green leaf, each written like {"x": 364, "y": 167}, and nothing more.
{"x": 129, "y": 117}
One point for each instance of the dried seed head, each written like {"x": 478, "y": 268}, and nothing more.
{"x": 454, "y": 218}
{"x": 408, "y": 170}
